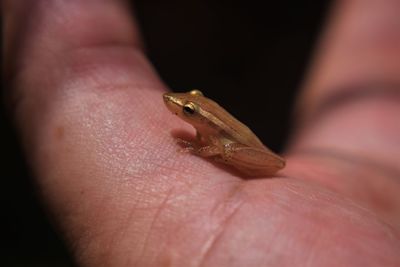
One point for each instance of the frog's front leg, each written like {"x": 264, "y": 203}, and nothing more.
{"x": 208, "y": 151}
{"x": 190, "y": 146}
{"x": 251, "y": 160}
{"x": 211, "y": 148}
{"x": 204, "y": 147}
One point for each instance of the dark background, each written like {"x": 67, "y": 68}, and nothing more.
{"x": 250, "y": 56}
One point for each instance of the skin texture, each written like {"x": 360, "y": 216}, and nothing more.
{"x": 87, "y": 104}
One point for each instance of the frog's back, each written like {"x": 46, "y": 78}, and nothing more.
{"x": 229, "y": 126}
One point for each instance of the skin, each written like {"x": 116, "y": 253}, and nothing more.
{"x": 220, "y": 136}
{"x": 81, "y": 91}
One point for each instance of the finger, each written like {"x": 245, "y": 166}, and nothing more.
{"x": 350, "y": 107}
{"x": 91, "y": 115}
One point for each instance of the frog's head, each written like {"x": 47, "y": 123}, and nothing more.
{"x": 185, "y": 105}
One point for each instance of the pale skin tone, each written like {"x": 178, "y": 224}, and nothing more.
{"x": 89, "y": 110}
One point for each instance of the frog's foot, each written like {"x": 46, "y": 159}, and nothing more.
{"x": 186, "y": 146}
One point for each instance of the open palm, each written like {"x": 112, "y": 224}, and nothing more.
{"x": 89, "y": 108}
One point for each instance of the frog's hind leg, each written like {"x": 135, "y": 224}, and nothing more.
{"x": 252, "y": 161}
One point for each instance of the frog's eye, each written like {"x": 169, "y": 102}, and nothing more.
{"x": 189, "y": 108}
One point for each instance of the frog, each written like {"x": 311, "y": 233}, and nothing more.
{"x": 220, "y": 136}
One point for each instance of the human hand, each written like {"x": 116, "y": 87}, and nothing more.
{"x": 89, "y": 108}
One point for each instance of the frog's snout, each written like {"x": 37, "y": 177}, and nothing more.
{"x": 170, "y": 102}
{"x": 167, "y": 98}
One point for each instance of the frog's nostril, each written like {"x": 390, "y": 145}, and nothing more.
{"x": 169, "y": 102}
